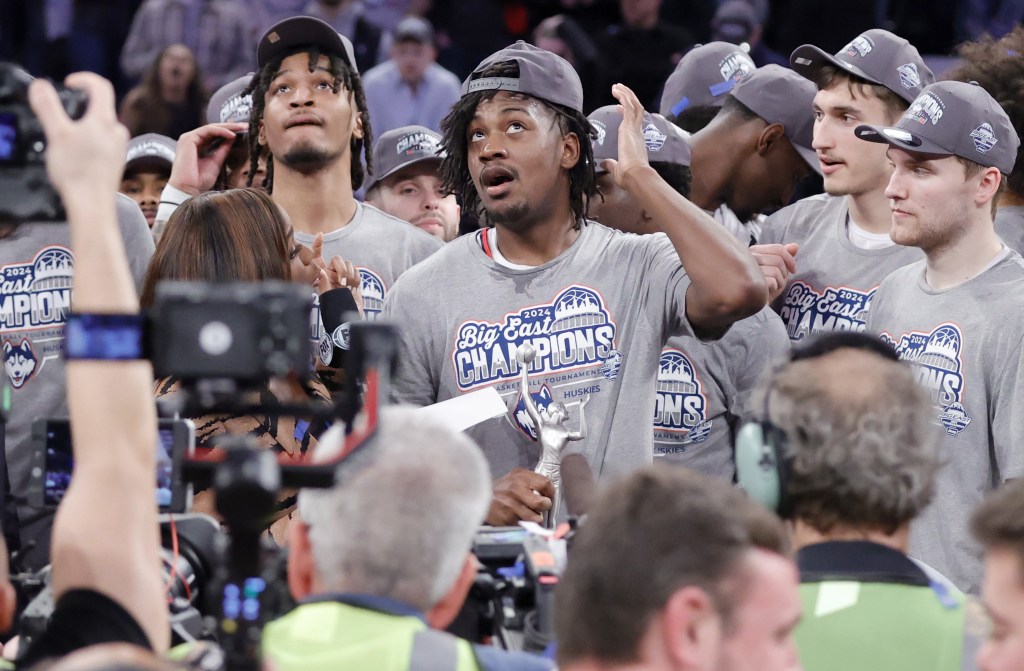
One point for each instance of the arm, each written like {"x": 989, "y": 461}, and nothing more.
{"x": 114, "y": 432}
{"x": 726, "y": 284}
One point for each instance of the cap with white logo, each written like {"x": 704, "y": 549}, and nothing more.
{"x": 228, "y": 104}
{"x": 403, "y": 147}
{"x": 150, "y": 153}
{"x": 704, "y": 75}
{"x": 876, "y": 56}
{"x": 665, "y": 141}
{"x": 953, "y": 119}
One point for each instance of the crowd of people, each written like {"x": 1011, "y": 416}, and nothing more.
{"x": 782, "y": 288}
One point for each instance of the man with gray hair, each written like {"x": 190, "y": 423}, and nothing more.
{"x": 384, "y": 556}
{"x": 852, "y": 431}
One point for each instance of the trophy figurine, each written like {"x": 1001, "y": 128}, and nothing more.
{"x": 552, "y": 432}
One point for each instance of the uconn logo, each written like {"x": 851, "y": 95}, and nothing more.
{"x": 37, "y": 293}
{"x": 374, "y": 291}
{"x": 680, "y": 406}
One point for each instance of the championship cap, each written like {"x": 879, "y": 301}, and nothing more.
{"x": 228, "y": 104}
{"x": 403, "y": 147}
{"x": 953, "y": 119}
{"x": 703, "y": 77}
{"x": 150, "y": 153}
{"x": 665, "y": 141}
{"x": 779, "y": 95}
{"x": 877, "y": 56}
{"x": 413, "y": 29}
{"x": 542, "y": 75}
{"x": 304, "y": 31}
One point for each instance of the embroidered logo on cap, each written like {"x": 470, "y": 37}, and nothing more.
{"x": 417, "y": 143}
{"x": 909, "y": 76}
{"x": 984, "y": 138}
{"x": 654, "y": 138}
{"x": 736, "y": 66}
{"x": 601, "y": 132}
{"x": 927, "y": 108}
{"x": 861, "y": 46}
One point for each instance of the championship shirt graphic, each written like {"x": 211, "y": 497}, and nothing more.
{"x": 936, "y": 356}
{"x": 680, "y": 406}
{"x": 806, "y": 310}
{"x": 374, "y": 291}
{"x": 34, "y": 301}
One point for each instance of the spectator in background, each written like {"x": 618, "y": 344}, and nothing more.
{"x": 641, "y": 51}
{"x": 170, "y": 99}
{"x": 219, "y": 33}
{"x": 995, "y": 18}
{"x": 410, "y": 88}
{"x": 268, "y": 12}
{"x": 738, "y": 22}
{"x": 370, "y": 43}
{"x": 147, "y": 167}
{"x": 998, "y": 66}
{"x": 562, "y": 35}
{"x": 230, "y": 105}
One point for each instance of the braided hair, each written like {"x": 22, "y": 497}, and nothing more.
{"x": 343, "y": 76}
{"x": 455, "y": 174}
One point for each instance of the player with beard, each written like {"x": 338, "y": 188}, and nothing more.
{"x": 948, "y": 313}
{"x": 310, "y": 122}
{"x": 595, "y": 305}
{"x": 825, "y": 255}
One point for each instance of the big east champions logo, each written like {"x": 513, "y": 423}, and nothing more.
{"x": 806, "y": 310}
{"x": 574, "y": 331}
{"x": 939, "y": 369}
{"x": 680, "y": 406}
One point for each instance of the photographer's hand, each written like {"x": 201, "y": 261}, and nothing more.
{"x": 196, "y": 166}
{"x": 520, "y": 495}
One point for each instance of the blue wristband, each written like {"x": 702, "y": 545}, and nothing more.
{"x": 101, "y": 337}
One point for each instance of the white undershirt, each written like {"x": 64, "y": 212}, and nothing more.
{"x": 492, "y": 241}
{"x": 864, "y": 239}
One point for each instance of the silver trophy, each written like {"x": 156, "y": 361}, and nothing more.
{"x": 552, "y": 432}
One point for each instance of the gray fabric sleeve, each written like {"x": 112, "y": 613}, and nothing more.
{"x": 1008, "y": 415}
{"x": 769, "y": 347}
{"x": 413, "y": 380}
{"x": 138, "y": 241}
{"x": 773, "y": 229}
{"x": 664, "y": 288}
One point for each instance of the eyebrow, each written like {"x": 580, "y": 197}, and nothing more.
{"x": 318, "y": 68}
{"x": 844, "y": 109}
{"x": 507, "y": 110}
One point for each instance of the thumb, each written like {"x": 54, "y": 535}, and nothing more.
{"x": 792, "y": 248}
{"x": 42, "y": 97}
{"x": 609, "y": 165}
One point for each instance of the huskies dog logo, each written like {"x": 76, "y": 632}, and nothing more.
{"x": 542, "y": 399}
{"x": 19, "y": 362}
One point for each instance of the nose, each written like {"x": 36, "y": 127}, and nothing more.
{"x": 895, "y": 189}
{"x": 303, "y": 97}
{"x": 493, "y": 148}
{"x": 822, "y": 138}
{"x": 432, "y": 200}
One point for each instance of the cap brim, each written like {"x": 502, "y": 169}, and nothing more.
{"x": 807, "y": 61}
{"x": 147, "y": 164}
{"x": 374, "y": 179}
{"x": 901, "y": 139}
{"x": 302, "y": 31}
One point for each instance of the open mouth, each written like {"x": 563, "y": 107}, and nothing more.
{"x": 828, "y": 164}
{"x": 496, "y": 180}
{"x": 303, "y": 120}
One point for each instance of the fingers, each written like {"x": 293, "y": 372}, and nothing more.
{"x": 632, "y": 109}
{"x": 784, "y": 255}
{"x": 99, "y": 91}
{"x": 318, "y": 250}
{"x": 792, "y": 248}
{"x": 520, "y": 495}
{"x": 204, "y": 134}
{"x": 534, "y": 481}
{"x": 42, "y": 97}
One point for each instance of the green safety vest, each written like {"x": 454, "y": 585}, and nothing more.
{"x": 333, "y": 636}
{"x": 859, "y": 626}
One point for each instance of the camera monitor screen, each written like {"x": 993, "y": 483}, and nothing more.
{"x": 54, "y": 462}
{"x": 8, "y": 136}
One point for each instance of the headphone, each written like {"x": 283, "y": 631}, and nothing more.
{"x": 761, "y": 451}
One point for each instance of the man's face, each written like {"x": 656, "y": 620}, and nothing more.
{"x": 760, "y": 637}
{"x": 615, "y": 207}
{"x": 849, "y": 166}
{"x": 306, "y": 123}
{"x": 415, "y": 195}
{"x": 1003, "y": 594}
{"x": 145, "y": 189}
{"x": 412, "y": 59}
{"x": 766, "y": 182}
{"x": 518, "y": 158}
{"x": 930, "y": 200}
{"x": 238, "y": 178}
{"x": 638, "y": 12}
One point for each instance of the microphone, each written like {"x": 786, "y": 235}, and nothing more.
{"x": 579, "y": 488}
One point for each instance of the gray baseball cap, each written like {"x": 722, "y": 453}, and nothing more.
{"x": 228, "y": 104}
{"x": 875, "y": 55}
{"x": 703, "y": 76}
{"x": 303, "y": 31}
{"x": 665, "y": 141}
{"x": 402, "y": 147}
{"x": 779, "y": 95}
{"x": 542, "y": 75}
{"x": 150, "y": 153}
{"x": 953, "y": 119}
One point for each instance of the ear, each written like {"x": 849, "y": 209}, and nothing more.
{"x": 570, "y": 151}
{"x": 7, "y": 347}
{"x": 301, "y": 568}
{"x": 691, "y": 628}
{"x": 261, "y": 138}
{"x": 769, "y": 138}
{"x": 443, "y": 613}
{"x": 988, "y": 187}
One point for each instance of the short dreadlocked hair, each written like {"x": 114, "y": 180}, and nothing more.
{"x": 343, "y": 76}
{"x": 455, "y": 174}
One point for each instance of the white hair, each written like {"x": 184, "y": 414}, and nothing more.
{"x": 403, "y": 511}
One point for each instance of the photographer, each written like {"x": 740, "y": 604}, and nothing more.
{"x": 105, "y": 591}
{"x": 382, "y": 559}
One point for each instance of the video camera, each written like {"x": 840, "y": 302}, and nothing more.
{"x": 25, "y": 190}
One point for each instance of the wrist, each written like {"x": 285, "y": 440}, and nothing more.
{"x": 638, "y": 175}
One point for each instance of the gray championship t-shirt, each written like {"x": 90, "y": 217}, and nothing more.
{"x": 1010, "y": 227}
{"x": 36, "y": 265}
{"x": 965, "y": 344}
{"x": 598, "y": 316}
{"x": 835, "y": 280}
{"x": 704, "y": 389}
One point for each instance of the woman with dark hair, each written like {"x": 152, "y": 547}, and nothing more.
{"x": 170, "y": 100}
{"x": 241, "y": 235}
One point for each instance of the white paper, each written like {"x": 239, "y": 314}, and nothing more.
{"x": 468, "y": 410}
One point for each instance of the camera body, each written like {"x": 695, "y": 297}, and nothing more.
{"x": 25, "y": 191}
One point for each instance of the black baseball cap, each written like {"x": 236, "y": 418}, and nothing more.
{"x": 704, "y": 76}
{"x": 402, "y": 147}
{"x": 303, "y": 31}
{"x": 876, "y": 56}
{"x": 953, "y": 119}
{"x": 665, "y": 141}
{"x": 542, "y": 75}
